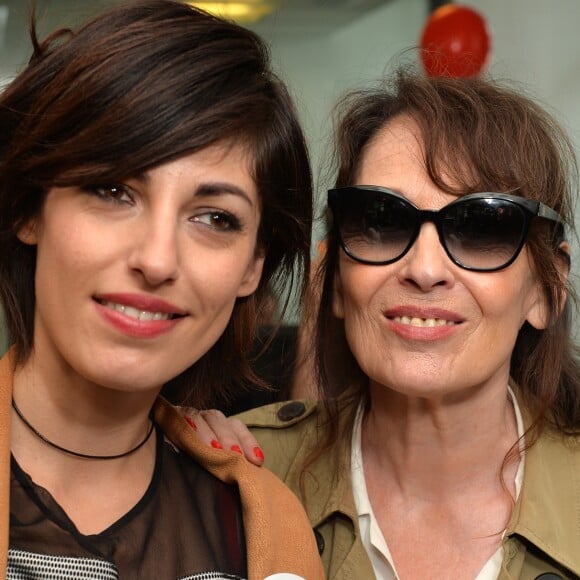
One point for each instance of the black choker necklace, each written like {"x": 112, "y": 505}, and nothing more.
{"x": 83, "y": 455}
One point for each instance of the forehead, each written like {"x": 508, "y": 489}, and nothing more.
{"x": 394, "y": 155}
{"x": 395, "y": 158}
{"x": 227, "y": 164}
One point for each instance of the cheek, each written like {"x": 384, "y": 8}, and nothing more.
{"x": 64, "y": 254}
{"x": 356, "y": 297}
{"x": 66, "y": 267}
{"x": 219, "y": 279}
{"x": 506, "y": 302}
{"x": 363, "y": 327}
{"x": 359, "y": 284}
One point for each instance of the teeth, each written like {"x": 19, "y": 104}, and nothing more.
{"x": 423, "y": 322}
{"x": 135, "y": 313}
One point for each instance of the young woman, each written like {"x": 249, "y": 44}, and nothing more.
{"x": 154, "y": 185}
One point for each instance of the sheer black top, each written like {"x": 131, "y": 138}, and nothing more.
{"x": 188, "y": 525}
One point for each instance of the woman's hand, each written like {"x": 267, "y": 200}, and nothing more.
{"x": 223, "y": 432}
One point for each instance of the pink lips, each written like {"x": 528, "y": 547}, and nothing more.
{"x": 138, "y": 315}
{"x": 420, "y": 323}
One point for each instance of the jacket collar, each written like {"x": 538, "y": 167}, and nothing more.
{"x": 547, "y": 513}
{"x": 327, "y": 484}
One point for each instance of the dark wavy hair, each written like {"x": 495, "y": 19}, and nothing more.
{"x": 137, "y": 86}
{"x": 509, "y": 143}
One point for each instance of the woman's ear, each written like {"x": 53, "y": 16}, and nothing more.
{"x": 564, "y": 261}
{"x": 252, "y": 275}
{"x": 28, "y": 233}
{"x": 539, "y": 313}
{"x": 337, "y": 296}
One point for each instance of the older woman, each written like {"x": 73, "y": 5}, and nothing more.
{"x": 446, "y": 441}
{"x": 154, "y": 183}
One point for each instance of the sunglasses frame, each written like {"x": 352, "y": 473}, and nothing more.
{"x": 531, "y": 209}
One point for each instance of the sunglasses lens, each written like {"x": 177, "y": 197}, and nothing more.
{"x": 484, "y": 234}
{"x": 375, "y": 227}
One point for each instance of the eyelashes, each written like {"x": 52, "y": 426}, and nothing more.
{"x": 118, "y": 194}
{"x": 113, "y": 193}
{"x": 218, "y": 220}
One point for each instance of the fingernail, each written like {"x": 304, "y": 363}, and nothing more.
{"x": 259, "y": 453}
{"x": 237, "y": 449}
{"x": 216, "y": 444}
{"x": 191, "y": 423}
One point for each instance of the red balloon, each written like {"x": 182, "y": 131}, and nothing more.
{"x": 455, "y": 42}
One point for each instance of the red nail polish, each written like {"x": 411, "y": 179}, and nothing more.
{"x": 237, "y": 449}
{"x": 216, "y": 444}
{"x": 259, "y": 453}
{"x": 191, "y": 423}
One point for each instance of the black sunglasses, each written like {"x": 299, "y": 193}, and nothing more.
{"x": 484, "y": 232}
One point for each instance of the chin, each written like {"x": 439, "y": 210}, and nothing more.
{"x": 134, "y": 371}
{"x": 135, "y": 384}
{"x": 128, "y": 378}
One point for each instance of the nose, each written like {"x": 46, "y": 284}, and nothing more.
{"x": 154, "y": 251}
{"x": 426, "y": 265}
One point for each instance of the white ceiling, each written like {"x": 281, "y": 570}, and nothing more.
{"x": 299, "y": 18}
{"x": 295, "y": 19}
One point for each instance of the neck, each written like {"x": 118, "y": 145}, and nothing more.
{"x": 439, "y": 447}
{"x": 65, "y": 408}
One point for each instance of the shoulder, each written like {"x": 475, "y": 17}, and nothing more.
{"x": 287, "y": 432}
{"x": 285, "y": 415}
{"x": 547, "y": 510}
{"x": 274, "y": 543}
{"x": 553, "y": 460}
{"x": 560, "y": 448}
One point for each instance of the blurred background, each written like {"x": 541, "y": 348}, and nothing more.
{"x": 324, "y": 47}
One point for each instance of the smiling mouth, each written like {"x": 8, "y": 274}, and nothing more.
{"x": 423, "y": 322}
{"x": 138, "y": 314}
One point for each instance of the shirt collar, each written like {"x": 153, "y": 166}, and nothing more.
{"x": 361, "y": 498}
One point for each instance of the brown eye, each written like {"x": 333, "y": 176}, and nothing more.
{"x": 218, "y": 220}
{"x": 115, "y": 193}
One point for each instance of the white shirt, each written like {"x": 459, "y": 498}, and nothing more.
{"x": 371, "y": 535}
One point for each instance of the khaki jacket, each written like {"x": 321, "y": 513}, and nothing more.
{"x": 543, "y": 535}
{"x": 274, "y": 544}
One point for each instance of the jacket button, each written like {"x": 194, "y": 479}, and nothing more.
{"x": 319, "y": 541}
{"x": 291, "y": 410}
{"x": 549, "y": 576}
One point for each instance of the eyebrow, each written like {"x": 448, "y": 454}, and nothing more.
{"x": 221, "y": 188}
{"x": 210, "y": 189}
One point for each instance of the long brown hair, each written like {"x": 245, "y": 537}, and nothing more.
{"x": 509, "y": 143}
{"x": 139, "y": 85}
